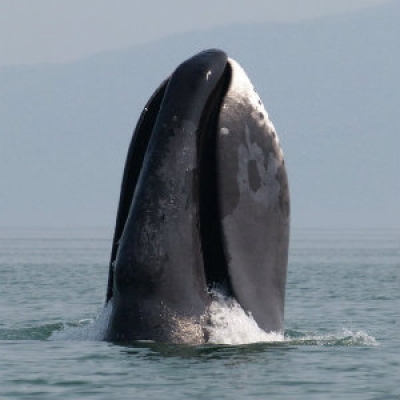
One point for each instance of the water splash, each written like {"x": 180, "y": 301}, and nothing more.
{"x": 344, "y": 337}
{"x": 229, "y": 325}
{"x": 87, "y": 329}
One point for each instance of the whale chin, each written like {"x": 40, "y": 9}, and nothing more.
{"x": 204, "y": 202}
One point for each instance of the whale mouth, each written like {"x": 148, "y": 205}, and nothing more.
{"x": 210, "y": 217}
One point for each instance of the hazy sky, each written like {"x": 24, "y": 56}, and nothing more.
{"x": 323, "y": 73}
{"x": 59, "y": 31}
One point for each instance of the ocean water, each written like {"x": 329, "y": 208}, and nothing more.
{"x": 341, "y": 338}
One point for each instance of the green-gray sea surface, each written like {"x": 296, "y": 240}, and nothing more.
{"x": 341, "y": 339}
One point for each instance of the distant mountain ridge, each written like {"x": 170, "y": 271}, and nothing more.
{"x": 331, "y": 87}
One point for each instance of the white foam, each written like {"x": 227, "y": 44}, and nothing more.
{"x": 345, "y": 337}
{"x": 362, "y": 338}
{"x": 230, "y": 324}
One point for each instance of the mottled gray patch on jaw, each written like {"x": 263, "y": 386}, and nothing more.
{"x": 257, "y": 176}
{"x": 254, "y": 177}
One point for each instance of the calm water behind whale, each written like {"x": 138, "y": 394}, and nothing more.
{"x": 342, "y": 336}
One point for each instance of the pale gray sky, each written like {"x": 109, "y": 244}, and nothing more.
{"x": 65, "y": 30}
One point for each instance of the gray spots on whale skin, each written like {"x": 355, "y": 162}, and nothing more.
{"x": 256, "y": 175}
{"x": 248, "y": 148}
{"x": 253, "y": 176}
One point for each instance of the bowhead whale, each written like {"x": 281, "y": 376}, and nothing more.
{"x": 204, "y": 202}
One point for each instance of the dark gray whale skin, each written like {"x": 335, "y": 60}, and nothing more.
{"x": 204, "y": 201}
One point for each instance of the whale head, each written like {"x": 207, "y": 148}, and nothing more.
{"x": 204, "y": 202}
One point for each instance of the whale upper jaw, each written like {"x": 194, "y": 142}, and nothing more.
{"x": 204, "y": 201}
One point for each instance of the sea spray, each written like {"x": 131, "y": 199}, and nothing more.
{"x": 229, "y": 325}
{"x": 87, "y": 329}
